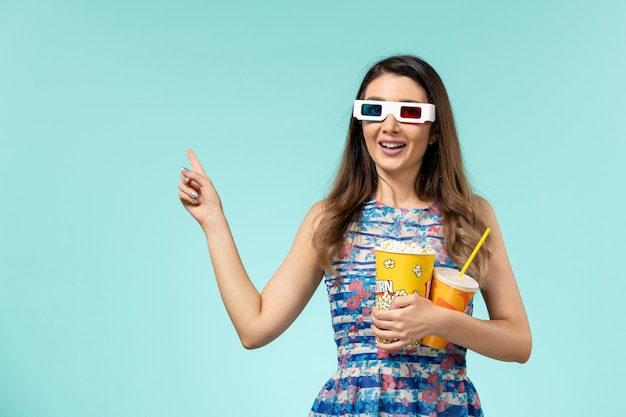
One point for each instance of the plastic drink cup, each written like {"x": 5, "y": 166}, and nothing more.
{"x": 401, "y": 273}
{"x": 450, "y": 291}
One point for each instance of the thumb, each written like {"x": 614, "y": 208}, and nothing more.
{"x": 195, "y": 163}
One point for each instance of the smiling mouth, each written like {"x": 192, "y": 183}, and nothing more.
{"x": 389, "y": 145}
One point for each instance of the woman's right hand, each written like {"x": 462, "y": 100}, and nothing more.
{"x": 197, "y": 193}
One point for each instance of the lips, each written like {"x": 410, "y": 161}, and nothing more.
{"x": 391, "y": 147}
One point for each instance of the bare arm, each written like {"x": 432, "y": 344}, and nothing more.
{"x": 505, "y": 336}
{"x": 258, "y": 317}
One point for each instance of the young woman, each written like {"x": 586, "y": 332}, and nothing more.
{"x": 401, "y": 178}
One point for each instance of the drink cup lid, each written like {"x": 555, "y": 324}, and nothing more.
{"x": 451, "y": 277}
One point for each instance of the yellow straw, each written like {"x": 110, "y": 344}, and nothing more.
{"x": 478, "y": 245}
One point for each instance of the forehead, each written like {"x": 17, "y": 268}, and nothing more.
{"x": 391, "y": 87}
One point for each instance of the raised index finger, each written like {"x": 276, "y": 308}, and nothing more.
{"x": 195, "y": 163}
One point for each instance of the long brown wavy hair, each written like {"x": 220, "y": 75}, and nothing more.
{"x": 441, "y": 177}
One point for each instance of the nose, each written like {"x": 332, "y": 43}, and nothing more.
{"x": 390, "y": 124}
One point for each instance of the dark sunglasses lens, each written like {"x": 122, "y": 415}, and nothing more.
{"x": 371, "y": 109}
{"x": 410, "y": 112}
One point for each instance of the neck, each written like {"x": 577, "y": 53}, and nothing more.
{"x": 398, "y": 193}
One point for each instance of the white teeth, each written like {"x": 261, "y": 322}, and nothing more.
{"x": 392, "y": 145}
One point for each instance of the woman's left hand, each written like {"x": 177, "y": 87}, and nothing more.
{"x": 409, "y": 319}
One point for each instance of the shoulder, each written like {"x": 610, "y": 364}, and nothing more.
{"x": 314, "y": 215}
{"x": 484, "y": 210}
{"x": 317, "y": 209}
{"x": 486, "y": 214}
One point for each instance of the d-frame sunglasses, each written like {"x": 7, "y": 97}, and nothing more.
{"x": 407, "y": 112}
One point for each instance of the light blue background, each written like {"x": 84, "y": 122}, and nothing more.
{"x": 108, "y": 305}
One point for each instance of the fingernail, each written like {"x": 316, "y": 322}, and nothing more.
{"x": 194, "y": 201}
{"x": 184, "y": 169}
{"x": 185, "y": 179}
{"x": 194, "y": 194}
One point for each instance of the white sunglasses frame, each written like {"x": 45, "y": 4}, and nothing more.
{"x": 393, "y": 107}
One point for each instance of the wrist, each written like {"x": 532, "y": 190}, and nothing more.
{"x": 443, "y": 321}
{"x": 213, "y": 221}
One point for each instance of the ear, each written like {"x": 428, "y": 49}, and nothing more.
{"x": 434, "y": 134}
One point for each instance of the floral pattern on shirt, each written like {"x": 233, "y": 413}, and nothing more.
{"x": 415, "y": 381}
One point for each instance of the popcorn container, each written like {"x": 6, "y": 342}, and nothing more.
{"x": 401, "y": 273}
{"x": 450, "y": 291}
